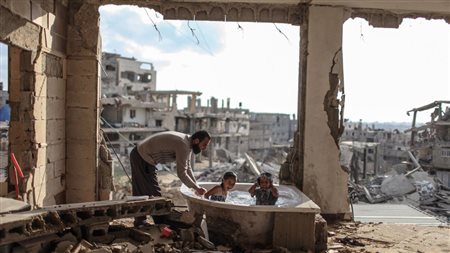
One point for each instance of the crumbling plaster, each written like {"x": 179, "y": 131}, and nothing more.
{"x": 323, "y": 179}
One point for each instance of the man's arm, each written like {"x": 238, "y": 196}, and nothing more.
{"x": 191, "y": 173}
{"x": 185, "y": 173}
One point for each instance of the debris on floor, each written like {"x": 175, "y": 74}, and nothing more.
{"x": 418, "y": 189}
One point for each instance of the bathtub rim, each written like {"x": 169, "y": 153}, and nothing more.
{"x": 306, "y": 207}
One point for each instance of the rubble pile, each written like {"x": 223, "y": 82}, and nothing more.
{"x": 119, "y": 238}
{"x": 104, "y": 226}
{"x": 434, "y": 198}
{"x": 417, "y": 188}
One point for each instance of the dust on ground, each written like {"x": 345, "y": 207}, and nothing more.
{"x": 378, "y": 237}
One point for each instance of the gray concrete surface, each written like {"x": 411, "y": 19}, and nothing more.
{"x": 392, "y": 214}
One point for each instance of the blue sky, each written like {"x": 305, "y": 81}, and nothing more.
{"x": 387, "y": 71}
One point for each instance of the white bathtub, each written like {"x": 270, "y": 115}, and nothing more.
{"x": 251, "y": 225}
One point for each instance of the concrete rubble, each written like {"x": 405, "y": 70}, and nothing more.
{"x": 104, "y": 226}
{"x": 417, "y": 188}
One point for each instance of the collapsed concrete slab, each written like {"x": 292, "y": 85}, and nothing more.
{"x": 49, "y": 220}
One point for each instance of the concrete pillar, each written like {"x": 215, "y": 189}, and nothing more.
{"x": 174, "y": 102}
{"x": 82, "y": 107}
{"x": 321, "y": 177}
{"x": 238, "y": 150}
{"x": 192, "y": 107}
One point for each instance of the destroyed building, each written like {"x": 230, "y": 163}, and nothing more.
{"x": 431, "y": 141}
{"x": 269, "y": 130}
{"x": 375, "y": 150}
{"x": 127, "y": 119}
{"x": 122, "y": 75}
{"x": 54, "y": 87}
{"x": 133, "y": 109}
{"x": 228, "y": 126}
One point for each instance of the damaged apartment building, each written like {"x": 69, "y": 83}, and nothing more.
{"x": 373, "y": 150}
{"x": 55, "y": 88}
{"x": 133, "y": 108}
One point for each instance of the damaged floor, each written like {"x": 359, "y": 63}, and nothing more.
{"x": 121, "y": 236}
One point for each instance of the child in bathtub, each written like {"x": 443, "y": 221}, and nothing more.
{"x": 220, "y": 192}
{"x": 266, "y": 194}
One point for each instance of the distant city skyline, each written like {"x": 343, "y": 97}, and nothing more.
{"x": 386, "y": 71}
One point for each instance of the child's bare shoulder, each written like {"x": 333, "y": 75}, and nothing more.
{"x": 215, "y": 188}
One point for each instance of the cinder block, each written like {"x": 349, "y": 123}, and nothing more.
{"x": 85, "y": 168}
{"x": 73, "y": 34}
{"x": 14, "y": 90}
{"x": 26, "y": 102}
{"x": 82, "y": 124}
{"x": 76, "y": 47}
{"x": 81, "y": 150}
{"x": 82, "y": 67}
{"x": 56, "y": 152}
{"x": 41, "y": 157}
{"x": 53, "y": 65}
{"x": 81, "y": 99}
{"x": 21, "y": 8}
{"x": 82, "y": 83}
{"x": 46, "y": 191}
{"x": 40, "y": 85}
{"x": 40, "y": 108}
{"x": 14, "y": 64}
{"x": 56, "y": 88}
{"x": 42, "y": 174}
{"x": 16, "y": 133}
{"x": 56, "y": 131}
{"x": 38, "y": 64}
{"x": 60, "y": 167}
{"x": 26, "y": 61}
{"x": 56, "y": 109}
{"x": 40, "y": 130}
{"x": 27, "y": 81}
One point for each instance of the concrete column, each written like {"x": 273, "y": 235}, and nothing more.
{"x": 321, "y": 176}
{"x": 82, "y": 107}
{"x": 192, "y": 108}
{"x": 238, "y": 150}
{"x": 174, "y": 102}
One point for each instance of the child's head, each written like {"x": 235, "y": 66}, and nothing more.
{"x": 229, "y": 180}
{"x": 265, "y": 180}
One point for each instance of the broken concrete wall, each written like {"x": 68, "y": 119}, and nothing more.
{"x": 36, "y": 35}
{"x": 323, "y": 180}
{"x": 83, "y": 102}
